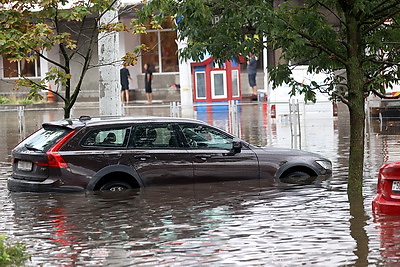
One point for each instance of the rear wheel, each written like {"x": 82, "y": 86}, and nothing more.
{"x": 297, "y": 177}
{"x": 116, "y": 186}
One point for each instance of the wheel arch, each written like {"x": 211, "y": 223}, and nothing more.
{"x": 289, "y": 168}
{"x": 109, "y": 173}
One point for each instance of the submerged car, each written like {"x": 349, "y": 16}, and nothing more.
{"x": 387, "y": 199}
{"x": 127, "y": 152}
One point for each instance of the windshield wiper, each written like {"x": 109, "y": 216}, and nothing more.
{"x": 32, "y": 148}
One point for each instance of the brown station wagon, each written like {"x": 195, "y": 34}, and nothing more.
{"x": 123, "y": 153}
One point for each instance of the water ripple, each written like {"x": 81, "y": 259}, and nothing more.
{"x": 252, "y": 223}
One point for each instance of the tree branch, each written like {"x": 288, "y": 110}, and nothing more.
{"x": 384, "y": 17}
{"x": 44, "y": 88}
{"x": 380, "y": 95}
{"x": 332, "y": 12}
{"x": 312, "y": 42}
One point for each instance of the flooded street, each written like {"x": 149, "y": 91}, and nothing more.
{"x": 220, "y": 224}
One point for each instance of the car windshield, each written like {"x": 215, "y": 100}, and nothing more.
{"x": 43, "y": 139}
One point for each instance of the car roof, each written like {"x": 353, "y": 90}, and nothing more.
{"x": 107, "y": 120}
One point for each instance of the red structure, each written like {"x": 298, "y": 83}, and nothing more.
{"x": 213, "y": 82}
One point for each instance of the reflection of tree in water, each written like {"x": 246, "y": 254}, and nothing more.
{"x": 358, "y": 221}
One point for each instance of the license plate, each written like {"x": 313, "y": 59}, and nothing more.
{"x": 24, "y": 165}
{"x": 396, "y": 186}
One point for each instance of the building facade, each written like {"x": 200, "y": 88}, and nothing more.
{"x": 162, "y": 56}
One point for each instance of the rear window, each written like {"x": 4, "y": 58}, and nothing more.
{"x": 43, "y": 139}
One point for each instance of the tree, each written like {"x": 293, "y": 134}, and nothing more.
{"x": 356, "y": 41}
{"x": 29, "y": 29}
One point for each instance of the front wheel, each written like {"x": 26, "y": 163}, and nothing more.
{"x": 297, "y": 177}
{"x": 116, "y": 186}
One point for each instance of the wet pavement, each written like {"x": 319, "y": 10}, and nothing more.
{"x": 236, "y": 223}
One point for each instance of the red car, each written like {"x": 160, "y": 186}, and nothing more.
{"x": 387, "y": 200}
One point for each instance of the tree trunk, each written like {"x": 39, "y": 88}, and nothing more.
{"x": 68, "y": 103}
{"x": 67, "y": 112}
{"x": 358, "y": 221}
{"x": 356, "y": 100}
{"x": 356, "y": 159}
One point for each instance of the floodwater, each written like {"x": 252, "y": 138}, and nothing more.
{"x": 252, "y": 223}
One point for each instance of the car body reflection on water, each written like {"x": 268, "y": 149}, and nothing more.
{"x": 389, "y": 236}
{"x": 200, "y": 224}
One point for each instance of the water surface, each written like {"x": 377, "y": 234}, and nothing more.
{"x": 234, "y": 223}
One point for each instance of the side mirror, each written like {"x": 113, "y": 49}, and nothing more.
{"x": 236, "y": 146}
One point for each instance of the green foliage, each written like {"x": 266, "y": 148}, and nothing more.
{"x": 58, "y": 76}
{"x": 316, "y": 33}
{"x": 26, "y": 101}
{"x": 11, "y": 254}
{"x": 112, "y": 27}
{"x": 30, "y": 28}
{"x": 4, "y": 100}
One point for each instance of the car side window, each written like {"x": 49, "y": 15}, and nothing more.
{"x": 110, "y": 137}
{"x": 202, "y": 136}
{"x": 154, "y": 136}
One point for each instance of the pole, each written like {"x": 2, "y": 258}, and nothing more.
{"x": 109, "y": 85}
{"x": 185, "y": 79}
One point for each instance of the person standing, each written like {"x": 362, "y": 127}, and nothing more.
{"x": 124, "y": 78}
{"x": 147, "y": 83}
{"x": 252, "y": 73}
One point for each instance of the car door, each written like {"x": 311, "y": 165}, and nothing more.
{"x": 213, "y": 159}
{"x": 158, "y": 155}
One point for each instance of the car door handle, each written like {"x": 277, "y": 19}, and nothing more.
{"x": 112, "y": 153}
{"x": 142, "y": 157}
{"x": 203, "y": 157}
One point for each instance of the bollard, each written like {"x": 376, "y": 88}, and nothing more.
{"x": 174, "y": 109}
{"x": 21, "y": 121}
{"x": 273, "y": 111}
{"x": 335, "y": 109}
{"x": 233, "y": 117}
{"x": 50, "y": 97}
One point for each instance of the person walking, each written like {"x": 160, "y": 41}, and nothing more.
{"x": 124, "y": 78}
{"x": 147, "y": 83}
{"x": 252, "y": 73}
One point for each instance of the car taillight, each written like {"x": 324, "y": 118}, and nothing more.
{"x": 381, "y": 181}
{"x": 54, "y": 159}
{"x": 384, "y": 172}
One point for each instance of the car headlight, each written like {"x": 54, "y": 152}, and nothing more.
{"x": 326, "y": 164}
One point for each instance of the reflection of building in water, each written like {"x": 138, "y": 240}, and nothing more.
{"x": 318, "y": 131}
{"x": 216, "y": 114}
{"x": 382, "y": 145}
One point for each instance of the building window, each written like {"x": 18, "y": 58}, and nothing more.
{"x": 235, "y": 83}
{"x": 21, "y": 68}
{"x": 162, "y": 54}
{"x": 218, "y": 84}
{"x": 200, "y": 85}
{"x": 169, "y": 55}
